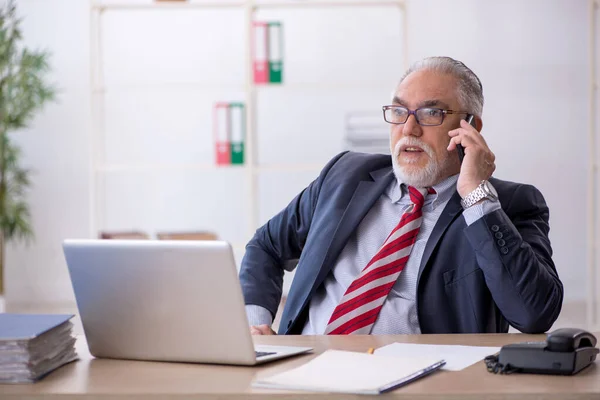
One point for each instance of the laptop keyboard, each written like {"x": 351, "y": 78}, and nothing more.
{"x": 263, "y": 353}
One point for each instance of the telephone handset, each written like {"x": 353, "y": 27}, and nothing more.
{"x": 461, "y": 150}
{"x": 566, "y": 351}
{"x": 569, "y": 339}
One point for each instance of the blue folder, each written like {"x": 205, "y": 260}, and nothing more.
{"x": 29, "y": 326}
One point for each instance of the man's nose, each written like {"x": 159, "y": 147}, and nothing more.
{"x": 411, "y": 127}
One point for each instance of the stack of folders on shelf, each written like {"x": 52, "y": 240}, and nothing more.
{"x": 32, "y": 346}
{"x": 267, "y": 52}
{"x": 229, "y": 127}
{"x": 367, "y": 132}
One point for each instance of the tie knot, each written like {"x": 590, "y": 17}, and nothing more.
{"x": 417, "y": 196}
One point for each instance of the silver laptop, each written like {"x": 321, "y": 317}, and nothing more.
{"x": 165, "y": 301}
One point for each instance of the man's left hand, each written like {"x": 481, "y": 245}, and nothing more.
{"x": 261, "y": 330}
{"x": 478, "y": 164}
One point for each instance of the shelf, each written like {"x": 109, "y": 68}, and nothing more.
{"x": 166, "y": 5}
{"x": 251, "y": 174}
{"x": 116, "y": 168}
{"x": 324, "y": 3}
{"x": 255, "y": 5}
{"x": 131, "y": 87}
{"x": 291, "y": 167}
{"x": 299, "y": 86}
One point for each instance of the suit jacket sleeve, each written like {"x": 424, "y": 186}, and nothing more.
{"x": 279, "y": 240}
{"x": 513, "y": 250}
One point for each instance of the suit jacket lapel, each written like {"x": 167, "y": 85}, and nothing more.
{"x": 365, "y": 195}
{"x": 451, "y": 211}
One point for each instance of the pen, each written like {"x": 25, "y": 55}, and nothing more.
{"x": 371, "y": 350}
{"x": 413, "y": 377}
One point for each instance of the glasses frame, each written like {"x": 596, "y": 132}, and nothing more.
{"x": 414, "y": 112}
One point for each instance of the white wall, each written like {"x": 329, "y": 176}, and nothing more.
{"x": 530, "y": 55}
{"x": 56, "y": 147}
{"x": 532, "y": 58}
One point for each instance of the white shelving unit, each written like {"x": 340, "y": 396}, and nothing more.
{"x": 251, "y": 168}
{"x": 593, "y": 275}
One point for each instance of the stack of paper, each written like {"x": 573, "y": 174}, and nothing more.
{"x": 31, "y": 346}
{"x": 367, "y": 132}
{"x": 350, "y": 372}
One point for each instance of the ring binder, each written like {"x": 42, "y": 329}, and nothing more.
{"x": 260, "y": 64}
{"x": 275, "y": 53}
{"x": 222, "y": 134}
{"x": 237, "y": 123}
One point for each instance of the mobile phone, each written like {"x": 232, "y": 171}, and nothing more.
{"x": 461, "y": 150}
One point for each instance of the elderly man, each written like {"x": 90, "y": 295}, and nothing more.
{"x": 423, "y": 242}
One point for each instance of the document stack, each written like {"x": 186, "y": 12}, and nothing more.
{"x": 31, "y": 346}
{"x": 366, "y": 132}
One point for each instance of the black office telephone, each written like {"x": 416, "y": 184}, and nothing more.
{"x": 565, "y": 352}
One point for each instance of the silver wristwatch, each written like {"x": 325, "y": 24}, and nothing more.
{"x": 485, "y": 190}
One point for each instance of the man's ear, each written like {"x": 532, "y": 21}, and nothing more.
{"x": 478, "y": 123}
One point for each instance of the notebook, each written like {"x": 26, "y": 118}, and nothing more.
{"x": 351, "y": 372}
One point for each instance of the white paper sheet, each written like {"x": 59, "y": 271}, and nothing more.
{"x": 456, "y": 357}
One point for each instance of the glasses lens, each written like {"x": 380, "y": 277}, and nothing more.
{"x": 430, "y": 116}
{"x": 396, "y": 115}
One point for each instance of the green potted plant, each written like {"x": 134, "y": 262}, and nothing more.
{"x": 23, "y": 91}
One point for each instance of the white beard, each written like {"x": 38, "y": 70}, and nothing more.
{"x": 428, "y": 176}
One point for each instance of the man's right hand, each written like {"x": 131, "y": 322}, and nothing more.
{"x": 261, "y": 330}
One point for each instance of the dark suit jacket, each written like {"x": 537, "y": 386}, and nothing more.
{"x": 472, "y": 279}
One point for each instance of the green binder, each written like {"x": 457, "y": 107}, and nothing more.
{"x": 237, "y": 122}
{"x": 275, "y": 36}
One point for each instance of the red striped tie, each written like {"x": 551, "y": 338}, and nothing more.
{"x": 359, "y": 307}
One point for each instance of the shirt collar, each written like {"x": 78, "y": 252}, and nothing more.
{"x": 444, "y": 190}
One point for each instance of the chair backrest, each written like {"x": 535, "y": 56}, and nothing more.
{"x": 187, "y": 235}
{"x": 132, "y": 235}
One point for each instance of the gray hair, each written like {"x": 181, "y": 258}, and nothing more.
{"x": 470, "y": 90}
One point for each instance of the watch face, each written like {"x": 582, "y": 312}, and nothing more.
{"x": 490, "y": 189}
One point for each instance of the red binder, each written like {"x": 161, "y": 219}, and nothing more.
{"x": 259, "y": 52}
{"x": 222, "y": 133}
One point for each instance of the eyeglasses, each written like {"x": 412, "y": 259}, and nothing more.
{"x": 425, "y": 116}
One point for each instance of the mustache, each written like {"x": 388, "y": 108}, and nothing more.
{"x": 411, "y": 141}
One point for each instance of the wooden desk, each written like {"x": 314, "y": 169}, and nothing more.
{"x": 91, "y": 378}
